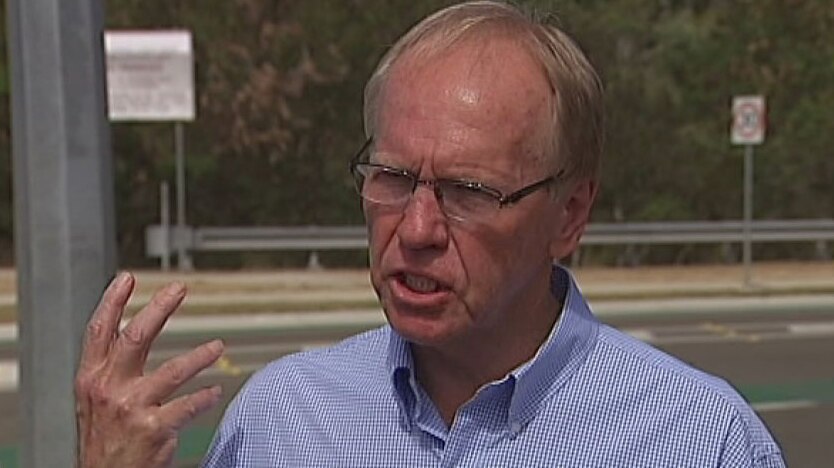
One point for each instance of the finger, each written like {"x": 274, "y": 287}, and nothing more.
{"x": 159, "y": 385}
{"x": 104, "y": 323}
{"x": 180, "y": 411}
{"x": 135, "y": 339}
{"x": 98, "y": 339}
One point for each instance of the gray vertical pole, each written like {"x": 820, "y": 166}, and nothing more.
{"x": 748, "y": 215}
{"x": 165, "y": 222}
{"x": 183, "y": 260}
{"x": 64, "y": 216}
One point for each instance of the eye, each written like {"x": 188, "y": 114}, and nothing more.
{"x": 385, "y": 184}
{"x": 387, "y": 175}
{"x": 467, "y": 196}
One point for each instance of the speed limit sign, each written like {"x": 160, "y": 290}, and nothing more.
{"x": 749, "y": 120}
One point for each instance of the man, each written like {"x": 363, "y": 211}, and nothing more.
{"x": 484, "y": 138}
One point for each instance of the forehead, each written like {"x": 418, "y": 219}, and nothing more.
{"x": 488, "y": 98}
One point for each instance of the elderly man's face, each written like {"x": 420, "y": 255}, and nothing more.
{"x": 472, "y": 113}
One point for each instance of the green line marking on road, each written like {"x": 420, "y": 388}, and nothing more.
{"x": 820, "y": 391}
{"x": 194, "y": 443}
{"x": 8, "y": 457}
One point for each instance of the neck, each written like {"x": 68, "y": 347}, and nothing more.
{"x": 452, "y": 374}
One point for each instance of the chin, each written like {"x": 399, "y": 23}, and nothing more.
{"x": 421, "y": 328}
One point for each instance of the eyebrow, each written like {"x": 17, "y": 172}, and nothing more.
{"x": 495, "y": 180}
{"x": 465, "y": 180}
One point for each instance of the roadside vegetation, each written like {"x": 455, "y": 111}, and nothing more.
{"x": 280, "y": 82}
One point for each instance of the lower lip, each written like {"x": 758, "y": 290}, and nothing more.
{"x": 409, "y": 297}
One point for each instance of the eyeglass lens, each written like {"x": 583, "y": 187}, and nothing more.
{"x": 458, "y": 200}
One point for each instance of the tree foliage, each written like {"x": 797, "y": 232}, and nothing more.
{"x": 279, "y": 86}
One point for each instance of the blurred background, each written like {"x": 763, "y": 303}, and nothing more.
{"x": 279, "y": 92}
{"x": 279, "y": 97}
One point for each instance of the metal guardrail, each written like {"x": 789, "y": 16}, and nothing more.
{"x": 160, "y": 242}
{"x": 708, "y": 232}
{"x": 281, "y": 238}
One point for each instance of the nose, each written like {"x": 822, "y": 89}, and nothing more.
{"x": 423, "y": 224}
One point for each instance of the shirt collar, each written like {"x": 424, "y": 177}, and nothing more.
{"x": 401, "y": 369}
{"x": 556, "y": 361}
{"x": 563, "y": 352}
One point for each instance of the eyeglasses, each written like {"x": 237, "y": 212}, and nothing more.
{"x": 461, "y": 200}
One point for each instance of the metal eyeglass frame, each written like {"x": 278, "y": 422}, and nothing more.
{"x": 501, "y": 199}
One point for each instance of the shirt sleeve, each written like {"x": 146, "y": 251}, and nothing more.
{"x": 225, "y": 447}
{"x": 751, "y": 446}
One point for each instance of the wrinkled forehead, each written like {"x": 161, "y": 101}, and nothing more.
{"x": 494, "y": 86}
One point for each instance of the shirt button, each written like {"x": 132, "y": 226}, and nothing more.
{"x": 515, "y": 428}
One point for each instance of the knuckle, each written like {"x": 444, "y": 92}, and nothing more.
{"x": 174, "y": 372}
{"x": 94, "y": 330}
{"x": 99, "y": 392}
{"x": 159, "y": 300}
{"x": 83, "y": 384}
{"x": 190, "y": 409}
{"x": 171, "y": 294}
{"x": 151, "y": 423}
{"x": 125, "y": 409}
{"x": 134, "y": 336}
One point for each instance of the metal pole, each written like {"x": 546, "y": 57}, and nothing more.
{"x": 165, "y": 222}
{"x": 183, "y": 260}
{"x": 64, "y": 213}
{"x": 748, "y": 215}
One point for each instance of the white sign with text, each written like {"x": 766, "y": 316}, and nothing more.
{"x": 150, "y": 75}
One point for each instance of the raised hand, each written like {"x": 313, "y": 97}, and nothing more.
{"x": 124, "y": 418}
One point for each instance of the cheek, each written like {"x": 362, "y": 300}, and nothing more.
{"x": 496, "y": 257}
{"x": 484, "y": 258}
{"x": 381, "y": 231}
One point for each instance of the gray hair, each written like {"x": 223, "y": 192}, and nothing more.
{"x": 575, "y": 130}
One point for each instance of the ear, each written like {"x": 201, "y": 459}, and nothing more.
{"x": 574, "y": 211}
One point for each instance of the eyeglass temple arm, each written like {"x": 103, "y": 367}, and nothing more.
{"x": 358, "y": 154}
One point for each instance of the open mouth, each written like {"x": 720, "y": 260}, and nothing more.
{"x": 420, "y": 284}
{"x": 414, "y": 292}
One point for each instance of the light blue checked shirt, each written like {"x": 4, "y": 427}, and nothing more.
{"x": 592, "y": 397}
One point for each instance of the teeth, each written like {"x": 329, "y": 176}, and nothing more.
{"x": 420, "y": 283}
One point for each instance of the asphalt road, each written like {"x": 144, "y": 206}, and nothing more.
{"x": 781, "y": 361}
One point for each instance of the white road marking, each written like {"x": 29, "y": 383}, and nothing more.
{"x": 701, "y": 305}
{"x": 8, "y": 332}
{"x": 8, "y": 375}
{"x": 641, "y": 334}
{"x": 812, "y": 328}
{"x": 788, "y": 405}
{"x": 722, "y": 332}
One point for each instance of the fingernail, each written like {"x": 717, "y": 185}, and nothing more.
{"x": 177, "y": 288}
{"x": 120, "y": 279}
{"x": 216, "y": 392}
{"x": 216, "y": 346}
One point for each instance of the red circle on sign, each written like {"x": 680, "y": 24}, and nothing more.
{"x": 748, "y": 119}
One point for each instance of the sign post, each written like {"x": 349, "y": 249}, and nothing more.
{"x": 150, "y": 78}
{"x": 748, "y": 129}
